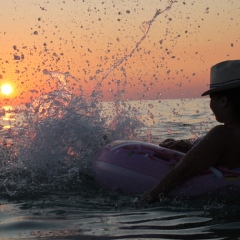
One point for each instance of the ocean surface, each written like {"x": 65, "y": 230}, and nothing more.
{"x": 46, "y": 182}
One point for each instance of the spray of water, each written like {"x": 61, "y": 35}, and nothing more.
{"x": 146, "y": 25}
{"x": 62, "y": 132}
{"x": 59, "y": 139}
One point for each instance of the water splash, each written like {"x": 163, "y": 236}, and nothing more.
{"x": 63, "y": 131}
{"x": 59, "y": 139}
{"x": 146, "y": 25}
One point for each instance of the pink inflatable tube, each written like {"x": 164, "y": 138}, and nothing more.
{"x": 135, "y": 167}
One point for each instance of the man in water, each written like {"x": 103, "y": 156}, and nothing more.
{"x": 221, "y": 145}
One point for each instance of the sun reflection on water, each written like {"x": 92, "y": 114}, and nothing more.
{"x": 7, "y": 117}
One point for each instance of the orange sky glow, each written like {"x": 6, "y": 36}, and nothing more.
{"x": 86, "y": 38}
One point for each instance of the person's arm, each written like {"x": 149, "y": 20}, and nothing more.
{"x": 205, "y": 154}
{"x": 183, "y": 145}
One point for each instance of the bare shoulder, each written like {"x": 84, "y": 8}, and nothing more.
{"x": 219, "y": 134}
{"x": 213, "y": 145}
{"x": 213, "y": 142}
{"x": 218, "y": 139}
{"x": 224, "y": 134}
{"x": 224, "y": 143}
{"x": 219, "y": 129}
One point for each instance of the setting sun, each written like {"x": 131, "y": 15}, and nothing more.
{"x": 6, "y": 89}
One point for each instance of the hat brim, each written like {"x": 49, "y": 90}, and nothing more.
{"x": 222, "y": 88}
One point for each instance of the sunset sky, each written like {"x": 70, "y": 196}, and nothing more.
{"x": 87, "y": 37}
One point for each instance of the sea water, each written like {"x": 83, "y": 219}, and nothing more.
{"x": 47, "y": 187}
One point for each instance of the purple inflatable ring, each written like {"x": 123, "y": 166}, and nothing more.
{"x": 134, "y": 167}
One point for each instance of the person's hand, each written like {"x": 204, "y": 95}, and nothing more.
{"x": 179, "y": 145}
{"x": 167, "y": 142}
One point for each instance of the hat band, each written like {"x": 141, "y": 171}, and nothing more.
{"x": 216, "y": 85}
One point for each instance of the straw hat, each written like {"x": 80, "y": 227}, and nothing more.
{"x": 224, "y": 76}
